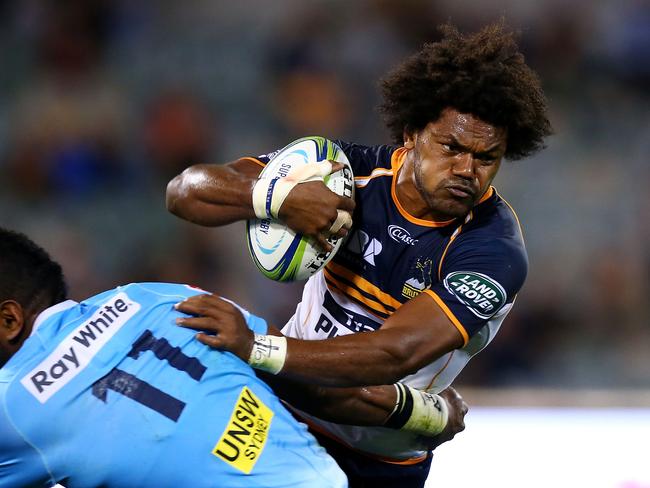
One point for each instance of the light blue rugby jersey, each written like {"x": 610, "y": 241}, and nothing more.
{"x": 110, "y": 392}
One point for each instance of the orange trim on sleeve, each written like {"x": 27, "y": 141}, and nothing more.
{"x": 521, "y": 231}
{"x": 435, "y": 376}
{"x": 255, "y": 160}
{"x": 450, "y": 315}
{"x": 444, "y": 253}
{"x": 455, "y": 234}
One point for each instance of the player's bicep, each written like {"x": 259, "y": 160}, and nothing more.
{"x": 475, "y": 287}
{"x": 424, "y": 330}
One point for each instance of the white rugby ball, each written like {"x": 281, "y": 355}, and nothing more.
{"x": 277, "y": 251}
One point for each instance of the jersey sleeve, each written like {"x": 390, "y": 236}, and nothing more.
{"x": 179, "y": 292}
{"x": 20, "y": 463}
{"x": 478, "y": 281}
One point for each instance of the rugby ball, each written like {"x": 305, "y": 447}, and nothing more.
{"x": 277, "y": 251}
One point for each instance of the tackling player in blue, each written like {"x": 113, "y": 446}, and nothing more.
{"x": 110, "y": 392}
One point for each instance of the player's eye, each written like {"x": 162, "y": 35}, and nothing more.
{"x": 487, "y": 159}
{"x": 451, "y": 148}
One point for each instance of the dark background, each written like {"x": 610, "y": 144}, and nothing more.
{"x": 102, "y": 102}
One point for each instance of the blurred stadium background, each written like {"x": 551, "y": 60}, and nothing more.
{"x": 101, "y": 102}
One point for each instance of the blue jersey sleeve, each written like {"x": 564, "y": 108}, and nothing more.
{"x": 255, "y": 323}
{"x": 478, "y": 279}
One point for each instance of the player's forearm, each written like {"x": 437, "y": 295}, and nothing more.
{"x": 213, "y": 195}
{"x": 355, "y": 406}
{"x": 376, "y": 358}
{"x": 413, "y": 337}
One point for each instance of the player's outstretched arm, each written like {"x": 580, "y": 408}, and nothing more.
{"x": 214, "y": 195}
{"x": 373, "y": 406}
{"x": 415, "y": 335}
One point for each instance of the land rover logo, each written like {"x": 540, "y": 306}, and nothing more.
{"x": 401, "y": 235}
{"x": 482, "y": 295}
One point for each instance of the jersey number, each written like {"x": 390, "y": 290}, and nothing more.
{"x": 142, "y": 392}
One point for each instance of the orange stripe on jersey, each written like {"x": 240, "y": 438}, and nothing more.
{"x": 513, "y": 213}
{"x": 375, "y": 307}
{"x": 450, "y": 315}
{"x": 435, "y": 376}
{"x": 486, "y": 195}
{"x": 469, "y": 217}
{"x": 254, "y": 160}
{"x": 329, "y": 435}
{"x": 397, "y": 158}
{"x": 364, "y": 285}
{"x": 361, "y": 181}
{"x": 396, "y": 162}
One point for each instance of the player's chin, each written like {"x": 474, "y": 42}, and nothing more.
{"x": 456, "y": 208}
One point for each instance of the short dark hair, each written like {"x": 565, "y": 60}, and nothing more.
{"x": 27, "y": 273}
{"x": 483, "y": 74}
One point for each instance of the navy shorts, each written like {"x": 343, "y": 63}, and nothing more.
{"x": 366, "y": 472}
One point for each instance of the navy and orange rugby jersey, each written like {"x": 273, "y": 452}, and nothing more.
{"x": 471, "y": 268}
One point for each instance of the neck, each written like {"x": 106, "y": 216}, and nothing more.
{"x": 406, "y": 191}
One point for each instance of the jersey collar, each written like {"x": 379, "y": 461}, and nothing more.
{"x": 49, "y": 312}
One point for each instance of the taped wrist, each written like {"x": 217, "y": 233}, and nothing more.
{"x": 269, "y": 193}
{"x": 269, "y": 353}
{"x": 418, "y": 411}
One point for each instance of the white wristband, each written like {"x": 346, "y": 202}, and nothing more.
{"x": 260, "y": 191}
{"x": 430, "y": 413}
{"x": 418, "y": 411}
{"x": 269, "y": 193}
{"x": 269, "y": 353}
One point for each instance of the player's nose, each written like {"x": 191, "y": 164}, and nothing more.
{"x": 463, "y": 165}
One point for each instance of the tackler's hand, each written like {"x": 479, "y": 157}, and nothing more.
{"x": 221, "y": 324}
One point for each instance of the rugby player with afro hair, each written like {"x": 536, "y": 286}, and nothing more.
{"x": 434, "y": 259}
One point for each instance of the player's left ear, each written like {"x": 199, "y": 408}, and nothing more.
{"x": 409, "y": 138}
{"x": 12, "y": 320}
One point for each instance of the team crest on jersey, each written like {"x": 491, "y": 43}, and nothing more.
{"x": 420, "y": 278}
{"x": 368, "y": 247}
{"x": 481, "y": 294}
{"x": 246, "y": 433}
